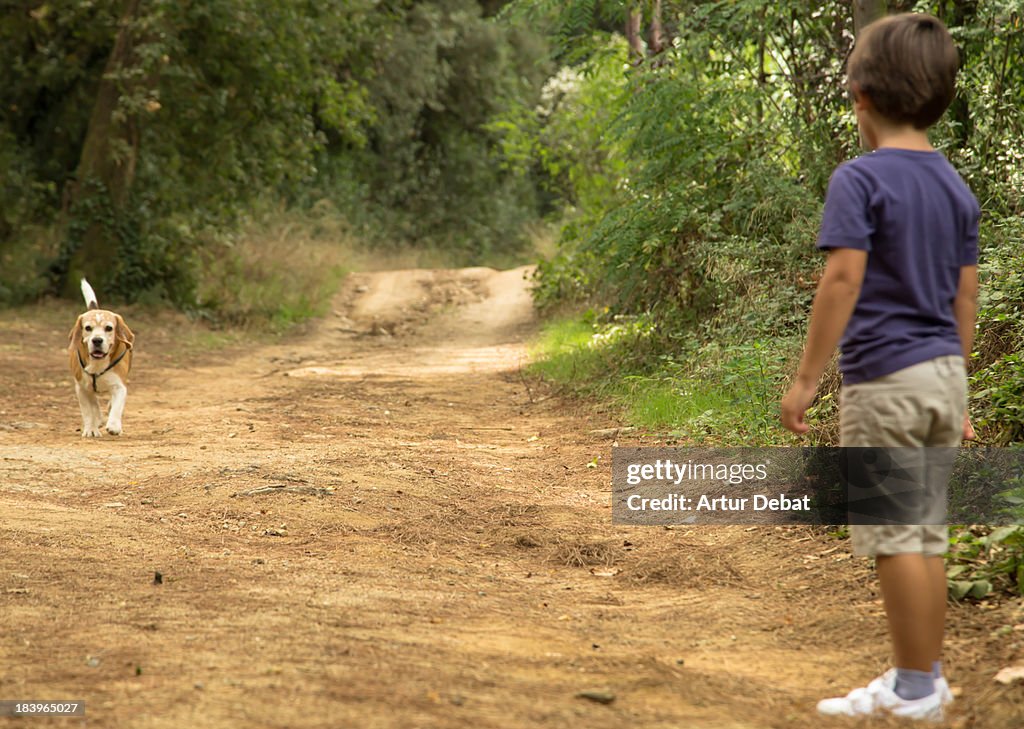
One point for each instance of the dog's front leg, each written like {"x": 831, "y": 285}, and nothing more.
{"x": 90, "y": 411}
{"x": 118, "y": 396}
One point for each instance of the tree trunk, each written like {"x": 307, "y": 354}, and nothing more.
{"x": 634, "y": 21}
{"x": 106, "y": 168}
{"x": 866, "y": 12}
{"x": 656, "y": 34}
{"x": 762, "y": 78}
{"x": 962, "y": 14}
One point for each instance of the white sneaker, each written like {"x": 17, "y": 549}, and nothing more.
{"x": 943, "y": 690}
{"x": 879, "y": 697}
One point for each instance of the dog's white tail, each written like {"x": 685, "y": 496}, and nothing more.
{"x": 90, "y": 295}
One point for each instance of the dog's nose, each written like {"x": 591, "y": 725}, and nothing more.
{"x": 98, "y": 341}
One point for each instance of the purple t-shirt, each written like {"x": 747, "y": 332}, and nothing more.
{"x": 918, "y": 221}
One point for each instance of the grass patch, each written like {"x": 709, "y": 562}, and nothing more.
{"x": 281, "y": 269}
{"x": 707, "y": 394}
{"x": 563, "y": 355}
{"x": 667, "y": 403}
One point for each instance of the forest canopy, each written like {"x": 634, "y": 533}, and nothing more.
{"x": 692, "y": 143}
{"x": 132, "y": 132}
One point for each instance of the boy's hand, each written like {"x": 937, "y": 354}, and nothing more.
{"x": 795, "y": 404}
{"x": 968, "y": 428}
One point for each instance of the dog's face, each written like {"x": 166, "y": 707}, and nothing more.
{"x": 98, "y": 331}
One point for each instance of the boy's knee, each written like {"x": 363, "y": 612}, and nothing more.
{"x": 886, "y": 540}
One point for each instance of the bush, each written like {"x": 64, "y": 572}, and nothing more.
{"x": 280, "y": 269}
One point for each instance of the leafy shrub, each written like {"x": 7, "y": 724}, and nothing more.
{"x": 280, "y": 269}
{"x": 983, "y": 561}
{"x": 997, "y": 381}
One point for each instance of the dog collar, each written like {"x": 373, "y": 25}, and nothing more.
{"x": 100, "y": 374}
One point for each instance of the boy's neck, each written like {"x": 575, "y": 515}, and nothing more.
{"x": 914, "y": 140}
{"x": 901, "y": 136}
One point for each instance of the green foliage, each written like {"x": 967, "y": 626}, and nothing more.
{"x": 997, "y": 380}
{"x": 702, "y": 393}
{"x": 280, "y": 269}
{"x": 984, "y": 560}
{"x": 569, "y": 24}
{"x": 983, "y": 133}
{"x": 247, "y": 91}
{"x": 562, "y": 353}
{"x": 22, "y": 196}
{"x": 1000, "y": 398}
{"x": 699, "y": 177}
{"x": 717, "y": 157}
{"x": 432, "y": 163}
{"x": 560, "y": 140}
{"x": 225, "y": 101}
{"x": 381, "y": 107}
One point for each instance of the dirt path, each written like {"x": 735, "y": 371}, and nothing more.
{"x": 377, "y": 523}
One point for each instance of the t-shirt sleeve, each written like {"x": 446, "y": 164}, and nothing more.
{"x": 969, "y": 252}
{"x": 847, "y": 221}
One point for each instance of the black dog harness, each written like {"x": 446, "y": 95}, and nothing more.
{"x": 100, "y": 374}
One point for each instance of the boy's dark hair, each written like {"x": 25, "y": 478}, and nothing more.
{"x": 907, "y": 66}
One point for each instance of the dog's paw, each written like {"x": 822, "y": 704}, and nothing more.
{"x": 91, "y": 432}
{"x": 114, "y": 428}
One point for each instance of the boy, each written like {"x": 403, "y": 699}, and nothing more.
{"x": 900, "y": 288}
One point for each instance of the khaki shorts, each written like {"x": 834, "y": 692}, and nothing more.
{"x": 919, "y": 406}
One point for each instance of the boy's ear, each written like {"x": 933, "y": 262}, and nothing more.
{"x": 861, "y": 98}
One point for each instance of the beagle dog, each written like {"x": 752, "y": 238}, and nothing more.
{"x": 100, "y": 355}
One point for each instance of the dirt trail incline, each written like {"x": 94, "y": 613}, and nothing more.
{"x": 380, "y": 523}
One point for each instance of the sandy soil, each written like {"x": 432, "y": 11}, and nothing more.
{"x": 379, "y": 522}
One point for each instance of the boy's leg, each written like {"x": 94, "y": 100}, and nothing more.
{"x": 892, "y": 412}
{"x": 915, "y": 605}
{"x": 909, "y": 560}
{"x": 939, "y": 589}
{"x": 920, "y": 407}
{"x": 914, "y": 592}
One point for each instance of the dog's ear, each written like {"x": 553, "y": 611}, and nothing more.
{"x": 123, "y": 333}
{"x": 75, "y": 335}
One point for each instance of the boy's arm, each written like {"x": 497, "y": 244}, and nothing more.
{"x": 834, "y": 302}
{"x": 965, "y": 311}
{"x": 965, "y": 308}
